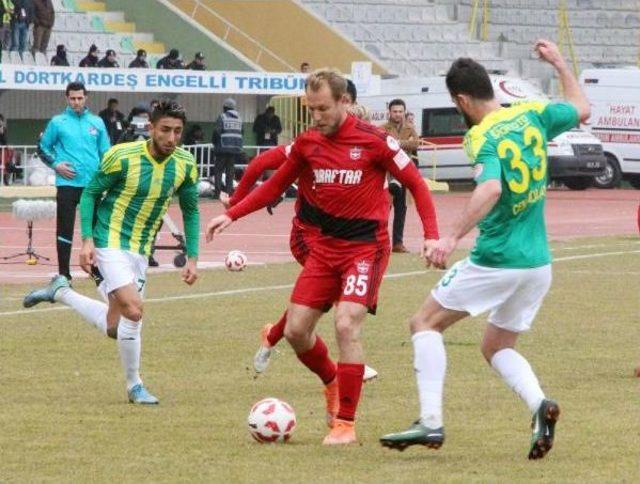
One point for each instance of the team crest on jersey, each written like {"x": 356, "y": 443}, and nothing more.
{"x": 93, "y": 131}
{"x": 392, "y": 143}
{"x": 363, "y": 267}
{"x": 355, "y": 153}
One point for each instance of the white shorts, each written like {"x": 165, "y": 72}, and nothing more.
{"x": 120, "y": 268}
{"x": 512, "y": 295}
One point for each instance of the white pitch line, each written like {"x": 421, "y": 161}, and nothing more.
{"x": 248, "y": 290}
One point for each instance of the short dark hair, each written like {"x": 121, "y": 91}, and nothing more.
{"x": 113, "y": 100}
{"x": 75, "y": 86}
{"x": 467, "y": 76}
{"x": 168, "y": 109}
{"x": 397, "y": 102}
{"x": 352, "y": 91}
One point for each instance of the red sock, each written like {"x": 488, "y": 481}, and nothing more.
{"x": 349, "y": 386}
{"x": 318, "y": 361}
{"x": 277, "y": 331}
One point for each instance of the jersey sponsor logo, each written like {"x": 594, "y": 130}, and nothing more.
{"x": 93, "y": 131}
{"x": 355, "y": 153}
{"x": 392, "y": 143}
{"x": 344, "y": 177}
{"x": 363, "y": 267}
{"x": 401, "y": 159}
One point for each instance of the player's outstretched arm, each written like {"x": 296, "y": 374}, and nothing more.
{"x": 216, "y": 226}
{"x": 549, "y": 52}
{"x": 269, "y": 160}
{"x": 482, "y": 200}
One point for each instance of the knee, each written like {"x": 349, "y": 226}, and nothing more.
{"x": 295, "y": 334}
{"x": 347, "y": 328}
{"x": 419, "y": 322}
{"x": 490, "y": 348}
{"x": 132, "y": 311}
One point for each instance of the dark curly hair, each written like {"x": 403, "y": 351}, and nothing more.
{"x": 168, "y": 109}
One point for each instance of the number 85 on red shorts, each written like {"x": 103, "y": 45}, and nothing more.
{"x": 347, "y": 273}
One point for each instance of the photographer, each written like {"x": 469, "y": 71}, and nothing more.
{"x": 137, "y": 125}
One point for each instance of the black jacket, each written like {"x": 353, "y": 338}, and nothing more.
{"x": 139, "y": 63}
{"x": 105, "y": 62}
{"x": 89, "y": 61}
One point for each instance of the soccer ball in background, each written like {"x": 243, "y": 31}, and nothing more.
{"x": 235, "y": 261}
{"x": 271, "y": 420}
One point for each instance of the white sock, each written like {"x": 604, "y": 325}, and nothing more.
{"x": 516, "y": 371}
{"x": 129, "y": 344}
{"x": 430, "y": 364}
{"x": 94, "y": 312}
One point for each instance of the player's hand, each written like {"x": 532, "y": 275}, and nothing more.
{"x": 217, "y": 225}
{"x": 437, "y": 252}
{"x": 225, "y": 199}
{"x": 87, "y": 255}
{"x": 549, "y": 52}
{"x": 65, "y": 170}
{"x": 190, "y": 271}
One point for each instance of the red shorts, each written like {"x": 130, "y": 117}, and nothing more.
{"x": 301, "y": 240}
{"x": 333, "y": 274}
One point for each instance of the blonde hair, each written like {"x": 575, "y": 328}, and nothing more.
{"x": 359, "y": 111}
{"x": 331, "y": 77}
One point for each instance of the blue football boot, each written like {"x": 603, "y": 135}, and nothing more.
{"x": 46, "y": 293}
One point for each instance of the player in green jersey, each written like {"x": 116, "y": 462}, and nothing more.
{"x": 121, "y": 211}
{"x": 508, "y": 272}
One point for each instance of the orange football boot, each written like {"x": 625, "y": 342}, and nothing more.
{"x": 342, "y": 433}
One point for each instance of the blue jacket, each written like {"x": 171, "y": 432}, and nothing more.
{"x": 79, "y": 139}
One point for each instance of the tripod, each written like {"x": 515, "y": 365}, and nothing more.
{"x": 32, "y": 256}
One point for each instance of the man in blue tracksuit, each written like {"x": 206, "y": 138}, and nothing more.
{"x": 73, "y": 145}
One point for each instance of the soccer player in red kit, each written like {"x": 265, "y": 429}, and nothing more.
{"x": 300, "y": 241}
{"x": 341, "y": 167}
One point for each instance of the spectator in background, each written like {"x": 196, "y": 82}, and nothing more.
{"x": 409, "y": 142}
{"x": 60, "y": 59}
{"x": 20, "y": 21}
{"x": 43, "y": 20}
{"x": 171, "y": 61}
{"x": 6, "y": 12}
{"x": 140, "y": 62}
{"x": 91, "y": 59}
{"x": 195, "y": 136}
{"x": 153, "y": 104}
{"x": 3, "y": 131}
{"x": 197, "y": 64}
{"x": 137, "y": 125}
{"x": 113, "y": 120}
{"x": 227, "y": 142}
{"x": 109, "y": 59}
{"x": 305, "y": 67}
{"x": 267, "y": 127}
{"x": 411, "y": 119}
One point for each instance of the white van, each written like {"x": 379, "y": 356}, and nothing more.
{"x": 614, "y": 95}
{"x": 574, "y": 157}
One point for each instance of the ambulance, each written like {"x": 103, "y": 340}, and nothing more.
{"x": 614, "y": 95}
{"x": 575, "y": 157}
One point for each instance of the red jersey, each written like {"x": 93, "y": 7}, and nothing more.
{"x": 269, "y": 160}
{"x": 341, "y": 183}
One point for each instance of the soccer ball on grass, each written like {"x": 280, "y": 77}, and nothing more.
{"x": 235, "y": 261}
{"x": 271, "y": 420}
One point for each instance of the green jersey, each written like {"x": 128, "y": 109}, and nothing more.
{"x": 138, "y": 190}
{"x": 510, "y": 145}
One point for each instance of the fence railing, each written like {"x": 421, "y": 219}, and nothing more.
{"x": 20, "y": 164}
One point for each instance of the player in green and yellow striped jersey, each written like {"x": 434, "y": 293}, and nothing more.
{"x": 127, "y": 199}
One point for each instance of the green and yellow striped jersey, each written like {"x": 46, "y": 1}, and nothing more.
{"x": 510, "y": 145}
{"x": 137, "y": 192}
